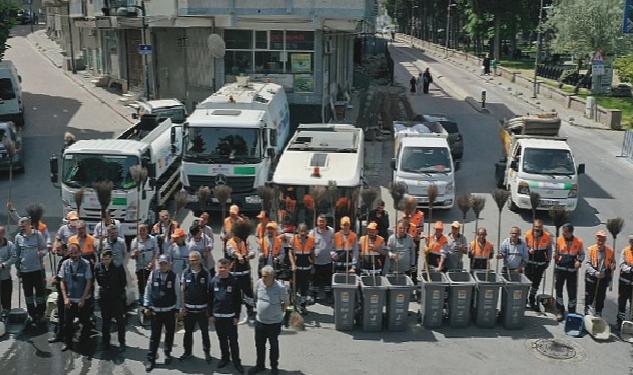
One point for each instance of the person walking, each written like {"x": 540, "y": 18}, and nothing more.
{"x": 401, "y": 250}
{"x": 345, "y": 255}
{"x": 481, "y": 251}
{"x": 163, "y": 230}
{"x": 227, "y": 227}
{"x": 455, "y": 249}
{"x": 271, "y": 299}
{"x": 539, "y": 243}
{"x": 427, "y": 79}
{"x": 323, "y": 248}
{"x": 569, "y": 257}
{"x": 144, "y": 251}
{"x": 486, "y": 65}
{"x": 513, "y": 251}
{"x": 626, "y": 281}
{"x": 301, "y": 260}
{"x": 161, "y": 301}
{"x": 76, "y": 285}
{"x": 418, "y": 83}
{"x": 371, "y": 249}
{"x": 195, "y": 290}
{"x": 112, "y": 283}
{"x": 412, "y": 84}
{"x": 241, "y": 270}
{"x": 599, "y": 273}
{"x": 225, "y": 306}
{"x": 7, "y": 259}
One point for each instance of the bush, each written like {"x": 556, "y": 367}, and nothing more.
{"x": 624, "y": 67}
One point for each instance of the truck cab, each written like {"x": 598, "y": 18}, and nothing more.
{"x": 172, "y": 109}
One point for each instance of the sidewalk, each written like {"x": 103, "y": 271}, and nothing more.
{"x": 53, "y": 52}
{"x": 521, "y": 93}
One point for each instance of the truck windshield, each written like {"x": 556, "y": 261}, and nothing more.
{"x": 426, "y": 160}
{"x": 85, "y": 169}
{"x": 177, "y": 115}
{"x": 548, "y": 161}
{"x": 239, "y": 145}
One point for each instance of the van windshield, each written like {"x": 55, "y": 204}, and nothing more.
{"x": 6, "y": 89}
{"x": 426, "y": 160}
{"x": 176, "y": 115}
{"x": 548, "y": 161}
{"x": 85, "y": 169}
{"x": 229, "y": 144}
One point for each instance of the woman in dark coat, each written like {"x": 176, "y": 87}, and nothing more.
{"x": 412, "y": 84}
{"x": 426, "y": 81}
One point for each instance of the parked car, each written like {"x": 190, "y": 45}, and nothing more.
{"x": 455, "y": 139}
{"x": 23, "y": 17}
{"x": 9, "y": 130}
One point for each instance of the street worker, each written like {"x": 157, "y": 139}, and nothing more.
{"x": 513, "y": 251}
{"x": 455, "y": 249}
{"x": 345, "y": 253}
{"x": 302, "y": 260}
{"x": 30, "y": 248}
{"x": 539, "y": 243}
{"x": 112, "y": 283}
{"x": 115, "y": 244}
{"x": 436, "y": 243}
{"x": 401, "y": 252}
{"x": 163, "y": 230}
{"x": 76, "y": 285}
{"x": 101, "y": 228}
{"x": 241, "y": 271}
{"x": 161, "y": 301}
{"x": 7, "y": 259}
{"x": 569, "y": 257}
{"x": 203, "y": 244}
{"x": 323, "y": 247}
{"x": 206, "y": 229}
{"x": 480, "y": 251}
{"x": 227, "y": 227}
{"x": 271, "y": 249}
{"x": 144, "y": 250}
{"x": 86, "y": 243}
{"x": 226, "y": 303}
{"x": 66, "y": 231}
{"x": 263, "y": 218}
{"x": 196, "y": 294}
{"x": 600, "y": 266}
{"x": 371, "y": 248}
{"x": 56, "y": 281}
{"x": 626, "y": 281}
{"x": 178, "y": 252}
{"x": 380, "y": 217}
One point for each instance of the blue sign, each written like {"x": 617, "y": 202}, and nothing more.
{"x": 145, "y": 49}
{"x": 627, "y": 25}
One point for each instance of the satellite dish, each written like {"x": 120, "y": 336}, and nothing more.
{"x": 216, "y": 45}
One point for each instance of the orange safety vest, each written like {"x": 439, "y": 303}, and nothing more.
{"x": 435, "y": 246}
{"x": 305, "y": 248}
{"x": 260, "y": 231}
{"x": 481, "y": 252}
{"x": 88, "y": 246}
{"x": 364, "y": 244}
{"x": 418, "y": 218}
{"x": 241, "y": 248}
{"x": 609, "y": 259}
{"x": 263, "y": 243}
{"x": 628, "y": 255}
{"x": 543, "y": 241}
{"x": 156, "y": 228}
{"x": 563, "y": 249}
{"x": 339, "y": 241}
{"x": 412, "y": 230}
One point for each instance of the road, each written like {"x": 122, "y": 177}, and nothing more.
{"x": 55, "y": 105}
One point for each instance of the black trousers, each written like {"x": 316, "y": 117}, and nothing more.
{"x": 246, "y": 286}
{"x": 303, "y": 282}
{"x": 434, "y": 260}
{"x": 141, "y": 277}
{"x": 112, "y": 307}
{"x": 270, "y": 333}
{"x": 191, "y": 319}
{"x": 535, "y": 272}
{"x": 226, "y": 330}
{"x": 595, "y": 292}
{"x": 160, "y": 319}
{"x": 569, "y": 278}
{"x": 322, "y": 277}
{"x": 6, "y": 290}
{"x": 624, "y": 296}
{"x": 70, "y": 313}
{"x": 35, "y": 302}
{"x": 478, "y": 264}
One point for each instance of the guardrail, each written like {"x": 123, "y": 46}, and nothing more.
{"x": 627, "y": 145}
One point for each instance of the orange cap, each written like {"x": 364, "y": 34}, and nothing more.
{"x": 372, "y": 225}
{"x": 178, "y": 233}
{"x": 601, "y": 233}
{"x": 346, "y": 220}
{"x": 72, "y": 215}
{"x": 439, "y": 225}
{"x": 234, "y": 209}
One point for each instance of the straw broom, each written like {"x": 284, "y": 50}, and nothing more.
{"x": 464, "y": 203}
{"x": 9, "y": 147}
{"x": 266, "y": 195}
{"x": 139, "y": 175}
{"x": 181, "y": 199}
{"x": 368, "y": 196}
{"x": 614, "y": 226}
{"x": 397, "y": 191}
{"x": 104, "y": 196}
{"x": 222, "y": 193}
{"x": 79, "y": 197}
{"x": 501, "y": 197}
{"x": 432, "y": 195}
{"x": 478, "y": 203}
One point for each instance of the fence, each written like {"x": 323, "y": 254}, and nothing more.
{"x": 627, "y": 145}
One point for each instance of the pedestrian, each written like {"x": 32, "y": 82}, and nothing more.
{"x": 115, "y": 244}
{"x": 226, "y": 303}
{"x": 271, "y": 300}
{"x": 427, "y": 79}
{"x": 412, "y": 84}
{"x": 163, "y": 230}
{"x": 371, "y": 248}
{"x": 513, "y": 251}
{"x": 56, "y": 281}
{"x": 101, "y": 228}
{"x": 539, "y": 243}
{"x": 86, "y": 243}
{"x": 178, "y": 252}
{"x": 67, "y": 230}
{"x": 481, "y": 251}
{"x": 227, "y": 227}
{"x": 569, "y": 257}
{"x": 203, "y": 244}
{"x": 7, "y": 259}
{"x": 271, "y": 251}
{"x": 241, "y": 270}
{"x": 263, "y": 218}
{"x": 486, "y": 65}
{"x": 436, "y": 244}
{"x": 30, "y": 248}
{"x": 494, "y": 63}
{"x": 144, "y": 250}
{"x": 379, "y": 216}
{"x": 112, "y": 283}
{"x": 302, "y": 260}
{"x": 455, "y": 249}
{"x": 626, "y": 281}
{"x": 323, "y": 247}
{"x": 418, "y": 83}
{"x": 401, "y": 249}
{"x": 345, "y": 254}
{"x": 206, "y": 228}
{"x": 161, "y": 301}
{"x": 196, "y": 294}
{"x": 599, "y": 273}
{"x": 76, "y": 285}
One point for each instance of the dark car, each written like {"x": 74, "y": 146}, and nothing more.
{"x": 8, "y": 131}
{"x": 23, "y": 17}
{"x": 455, "y": 139}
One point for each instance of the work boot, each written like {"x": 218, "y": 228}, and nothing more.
{"x": 207, "y": 357}
{"x": 274, "y": 371}
{"x": 223, "y": 362}
{"x": 168, "y": 359}
{"x": 238, "y": 366}
{"x": 149, "y": 366}
{"x": 184, "y": 356}
{"x": 256, "y": 369}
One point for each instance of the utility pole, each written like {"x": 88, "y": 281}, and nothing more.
{"x": 73, "y": 69}
{"x": 448, "y": 25}
{"x": 144, "y": 41}
{"x": 538, "y": 49}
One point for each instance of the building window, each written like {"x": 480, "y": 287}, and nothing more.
{"x": 238, "y": 39}
{"x": 277, "y": 40}
{"x": 261, "y": 39}
{"x": 268, "y": 62}
{"x": 300, "y": 40}
{"x": 238, "y": 62}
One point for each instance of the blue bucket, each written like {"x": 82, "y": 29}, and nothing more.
{"x": 574, "y": 325}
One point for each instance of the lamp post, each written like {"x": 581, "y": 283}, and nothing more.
{"x": 448, "y": 26}
{"x": 73, "y": 68}
{"x": 538, "y": 48}
{"x": 413, "y": 7}
{"x": 123, "y": 11}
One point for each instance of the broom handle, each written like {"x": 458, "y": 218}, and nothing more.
{"x": 426, "y": 263}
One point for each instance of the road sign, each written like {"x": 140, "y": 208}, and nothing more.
{"x": 597, "y": 67}
{"x": 145, "y": 49}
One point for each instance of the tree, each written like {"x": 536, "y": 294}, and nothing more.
{"x": 8, "y": 12}
{"x": 624, "y": 66}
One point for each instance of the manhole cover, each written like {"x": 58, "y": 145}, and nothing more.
{"x": 555, "y": 348}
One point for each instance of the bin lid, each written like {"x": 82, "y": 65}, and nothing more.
{"x": 460, "y": 277}
{"x": 515, "y": 278}
{"x": 436, "y": 278}
{"x": 343, "y": 280}
{"x": 486, "y": 277}
{"x": 398, "y": 282}
{"x": 378, "y": 282}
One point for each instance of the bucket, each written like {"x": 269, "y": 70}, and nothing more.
{"x": 597, "y": 327}
{"x": 574, "y": 325}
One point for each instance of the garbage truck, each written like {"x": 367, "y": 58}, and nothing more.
{"x": 235, "y": 137}
{"x": 537, "y": 159}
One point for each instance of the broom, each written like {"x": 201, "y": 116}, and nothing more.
{"x": 464, "y": 203}
{"x": 266, "y": 195}
{"x": 9, "y": 148}
{"x": 295, "y": 320}
{"x": 79, "y": 198}
{"x": 181, "y": 199}
{"x": 478, "y": 203}
{"x": 397, "y": 191}
{"x": 368, "y": 196}
{"x": 432, "y": 195}
{"x": 222, "y": 193}
{"x": 203, "y": 195}
{"x": 501, "y": 197}
{"x": 559, "y": 217}
{"x": 614, "y": 226}
{"x": 139, "y": 175}
{"x": 104, "y": 196}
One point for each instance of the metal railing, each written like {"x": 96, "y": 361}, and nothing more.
{"x": 627, "y": 145}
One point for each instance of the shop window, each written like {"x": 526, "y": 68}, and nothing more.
{"x": 238, "y": 39}
{"x": 277, "y": 40}
{"x": 237, "y": 62}
{"x": 261, "y": 40}
{"x": 268, "y": 62}
{"x": 300, "y": 40}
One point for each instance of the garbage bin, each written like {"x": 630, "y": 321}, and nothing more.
{"x": 345, "y": 287}
{"x": 373, "y": 291}
{"x": 460, "y": 294}
{"x": 398, "y": 297}
{"x": 486, "y": 298}
{"x": 513, "y": 297}
{"x": 433, "y": 289}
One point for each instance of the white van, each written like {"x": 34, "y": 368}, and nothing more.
{"x": 11, "y": 104}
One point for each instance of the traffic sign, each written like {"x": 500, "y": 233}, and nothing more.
{"x": 145, "y": 49}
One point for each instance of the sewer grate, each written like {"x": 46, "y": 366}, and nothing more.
{"x": 555, "y": 348}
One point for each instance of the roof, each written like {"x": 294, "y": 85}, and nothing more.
{"x": 252, "y": 92}
{"x": 326, "y": 137}
{"x": 162, "y": 103}
{"x": 102, "y": 146}
{"x": 226, "y": 117}
{"x": 424, "y": 141}
{"x": 544, "y": 143}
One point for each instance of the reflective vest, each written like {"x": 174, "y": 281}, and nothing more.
{"x": 481, "y": 252}
{"x": 540, "y": 245}
{"x": 339, "y": 241}
{"x": 435, "y": 245}
{"x": 303, "y": 250}
{"x": 609, "y": 257}
{"x": 369, "y": 258}
{"x": 418, "y": 218}
{"x": 627, "y": 253}
{"x": 163, "y": 293}
{"x": 196, "y": 285}
{"x": 76, "y": 285}
{"x": 260, "y": 231}
{"x": 88, "y": 245}
{"x": 244, "y": 267}
{"x": 228, "y": 224}
{"x": 568, "y": 254}
{"x": 263, "y": 243}
{"x": 308, "y": 202}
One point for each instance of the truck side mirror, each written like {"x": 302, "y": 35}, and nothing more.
{"x": 393, "y": 163}
{"x": 581, "y": 169}
{"x": 54, "y": 167}
{"x": 151, "y": 182}
{"x": 151, "y": 170}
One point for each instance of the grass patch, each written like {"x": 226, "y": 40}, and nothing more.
{"x": 623, "y": 104}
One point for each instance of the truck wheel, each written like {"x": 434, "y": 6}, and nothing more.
{"x": 513, "y": 206}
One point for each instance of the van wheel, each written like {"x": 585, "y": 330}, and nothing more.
{"x": 513, "y": 206}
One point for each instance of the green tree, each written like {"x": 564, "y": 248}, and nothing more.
{"x": 624, "y": 67}
{"x": 8, "y": 12}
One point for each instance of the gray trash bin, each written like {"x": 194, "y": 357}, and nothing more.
{"x": 486, "y": 298}
{"x": 513, "y": 298}
{"x": 460, "y": 295}
{"x": 433, "y": 290}
{"x": 345, "y": 288}
{"x": 398, "y": 296}
{"x": 373, "y": 290}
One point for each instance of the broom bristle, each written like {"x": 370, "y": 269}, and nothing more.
{"x": 35, "y": 212}
{"x": 615, "y": 226}
{"x": 332, "y": 192}
{"x": 464, "y": 203}
{"x": 222, "y": 193}
{"x": 318, "y": 193}
{"x": 296, "y": 321}
{"x": 410, "y": 204}
{"x": 266, "y": 194}
{"x": 242, "y": 229}
{"x": 397, "y": 191}
{"x": 138, "y": 173}
{"x": 559, "y": 216}
{"x": 181, "y": 200}
{"x": 104, "y": 192}
{"x": 535, "y": 198}
{"x": 79, "y": 197}
{"x": 369, "y": 196}
{"x": 69, "y": 137}
{"x": 432, "y": 193}
{"x": 478, "y": 203}
{"x": 203, "y": 195}
{"x": 501, "y": 197}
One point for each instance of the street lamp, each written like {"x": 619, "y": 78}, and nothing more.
{"x": 412, "y": 21}
{"x": 123, "y": 12}
{"x": 448, "y": 25}
{"x": 538, "y": 48}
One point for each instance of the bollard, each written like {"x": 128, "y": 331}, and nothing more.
{"x": 483, "y": 99}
